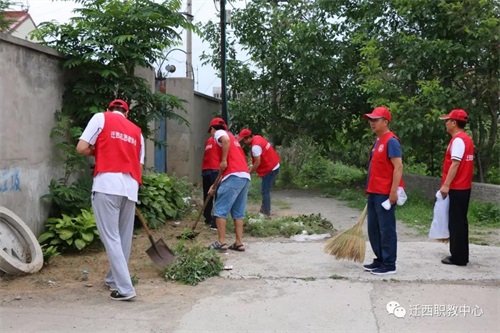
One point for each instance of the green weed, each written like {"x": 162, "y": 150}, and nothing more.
{"x": 287, "y": 226}
{"x": 193, "y": 264}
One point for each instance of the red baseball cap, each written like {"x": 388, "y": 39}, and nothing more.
{"x": 217, "y": 121}
{"x": 457, "y": 114}
{"x": 243, "y": 134}
{"x": 379, "y": 112}
{"x": 119, "y": 103}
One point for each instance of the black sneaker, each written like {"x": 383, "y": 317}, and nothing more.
{"x": 116, "y": 296}
{"x": 213, "y": 226}
{"x": 383, "y": 271}
{"x": 371, "y": 266}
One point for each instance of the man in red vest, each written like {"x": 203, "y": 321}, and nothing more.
{"x": 458, "y": 168}
{"x": 265, "y": 161}
{"x": 233, "y": 189}
{"x": 385, "y": 173}
{"x": 118, "y": 147}
{"x": 209, "y": 172}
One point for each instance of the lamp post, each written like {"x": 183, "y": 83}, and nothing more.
{"x": 223, "y": 60}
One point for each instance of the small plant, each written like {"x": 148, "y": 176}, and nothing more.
{"x": 193, "y": 265}
{"x": 186, "y": 234}
{"x": 338, "y": 277}
{"x": 135, "y": 279}
{"x": 163, "y": 197}
{"x": 70, "y": 233}
{"x": 49, "y": 252}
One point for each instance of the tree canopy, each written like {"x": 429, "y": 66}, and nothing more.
{"x": 314, "y": 67}
{"x": 4, "y": 23}
{"x": 104, "y": 44}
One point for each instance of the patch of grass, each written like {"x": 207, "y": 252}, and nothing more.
{"x": 281, "y": 204}
{"x": 310, "y": 278}
{"x": 478, "y": 241}
{"x": 337, "y": 277}
{"x": 355, "y": 197}
{"x": 193, "y": 264}
{"x": 484, "y": 214}
{"x": 417, "y": 212}
{"x": 254, "y": 195}
{"x": 287, "y": 226}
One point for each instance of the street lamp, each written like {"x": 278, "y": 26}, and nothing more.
{"x": 223, "y": 60}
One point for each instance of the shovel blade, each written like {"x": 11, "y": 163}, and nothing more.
{"x": 161, "y": 254}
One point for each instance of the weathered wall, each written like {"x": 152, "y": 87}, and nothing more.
{"x": 428, "y": 186}
{"x": 185, "y": 144}
{"x": 31, "y": 88}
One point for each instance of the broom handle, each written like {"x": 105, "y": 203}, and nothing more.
{"x": 362, "y": 217}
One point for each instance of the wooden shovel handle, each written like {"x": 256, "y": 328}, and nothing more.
{"x": 209, "y": 196}
{"x": 143, "y": 221}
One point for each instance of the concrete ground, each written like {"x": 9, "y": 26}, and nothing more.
{"x": 286, "y": 286}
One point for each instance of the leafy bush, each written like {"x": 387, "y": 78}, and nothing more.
{"x": 69, "y": 233}
{"x": 313, "y": 172}
{"x": 347, "y": 175}
{"x": 286, "y": 176}
{"x": 484, "y": 214}
{"x": 163, "y": 197}
{"x": 69, "y": 199}
{"x": 493, "y": 176}
{"x": 193, "y": 265}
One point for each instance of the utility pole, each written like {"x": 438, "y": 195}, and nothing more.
{"x": 223, "y": 60}
{"x": 189, "y": 46}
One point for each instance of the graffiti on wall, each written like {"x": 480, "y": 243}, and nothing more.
{"x": 10, "y": 180}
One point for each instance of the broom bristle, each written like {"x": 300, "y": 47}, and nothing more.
{"x": 349, "y": 244}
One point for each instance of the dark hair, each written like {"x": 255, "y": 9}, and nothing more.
{"x": 460, "y": 124}
{"x": 117, "y": 108}
{"x": 219, "y": 127}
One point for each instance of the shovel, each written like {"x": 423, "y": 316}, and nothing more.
{"x": 192, "y": 234}
{"x": 159, "y": 252}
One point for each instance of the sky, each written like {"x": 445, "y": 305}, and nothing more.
{"x": 202, "y": 10}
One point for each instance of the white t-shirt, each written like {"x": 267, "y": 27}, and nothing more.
{"x": 257, "y": 151}
{"x": 218, "y": 134}
{"x": 115, "y": 183}
{"x": 457, "y": 149}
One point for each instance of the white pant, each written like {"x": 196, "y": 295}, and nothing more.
{"x": 114, "y": 217}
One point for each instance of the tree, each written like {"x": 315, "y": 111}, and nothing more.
{"x": 315, "y": 66}
{"x": 295, "y": 80}
{"x": 103, "y": 45}
{"x": 424, "y": 58}
{"x": 4, "y": 23}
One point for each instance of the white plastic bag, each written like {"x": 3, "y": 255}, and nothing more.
{"x": 401, "y": 199}
{"x": 401, "y": 196}
{"x": 439, "y": 226}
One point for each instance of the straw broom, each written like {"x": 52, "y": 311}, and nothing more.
{"x": 350, "y": 244}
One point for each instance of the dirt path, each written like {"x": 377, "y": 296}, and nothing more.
{"x": 276, "y": 285}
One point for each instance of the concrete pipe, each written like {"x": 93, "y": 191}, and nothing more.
{"x": 20, "y": 252}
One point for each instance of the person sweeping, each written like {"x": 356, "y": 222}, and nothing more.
{"x": 385, "y": 175}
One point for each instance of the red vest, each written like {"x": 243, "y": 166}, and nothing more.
{"x": 463, "y": 178}
{"x": 118, "y": 147}
{"x": 212, "y": 156}
{"x": 236, "y": 159}
{"x": 269, "y": 158}
{"x": 381, "y": 168}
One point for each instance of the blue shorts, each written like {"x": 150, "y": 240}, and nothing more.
{"x": 232, "y": 197}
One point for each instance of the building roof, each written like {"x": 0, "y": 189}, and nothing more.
{"x": 16, "y": 18}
